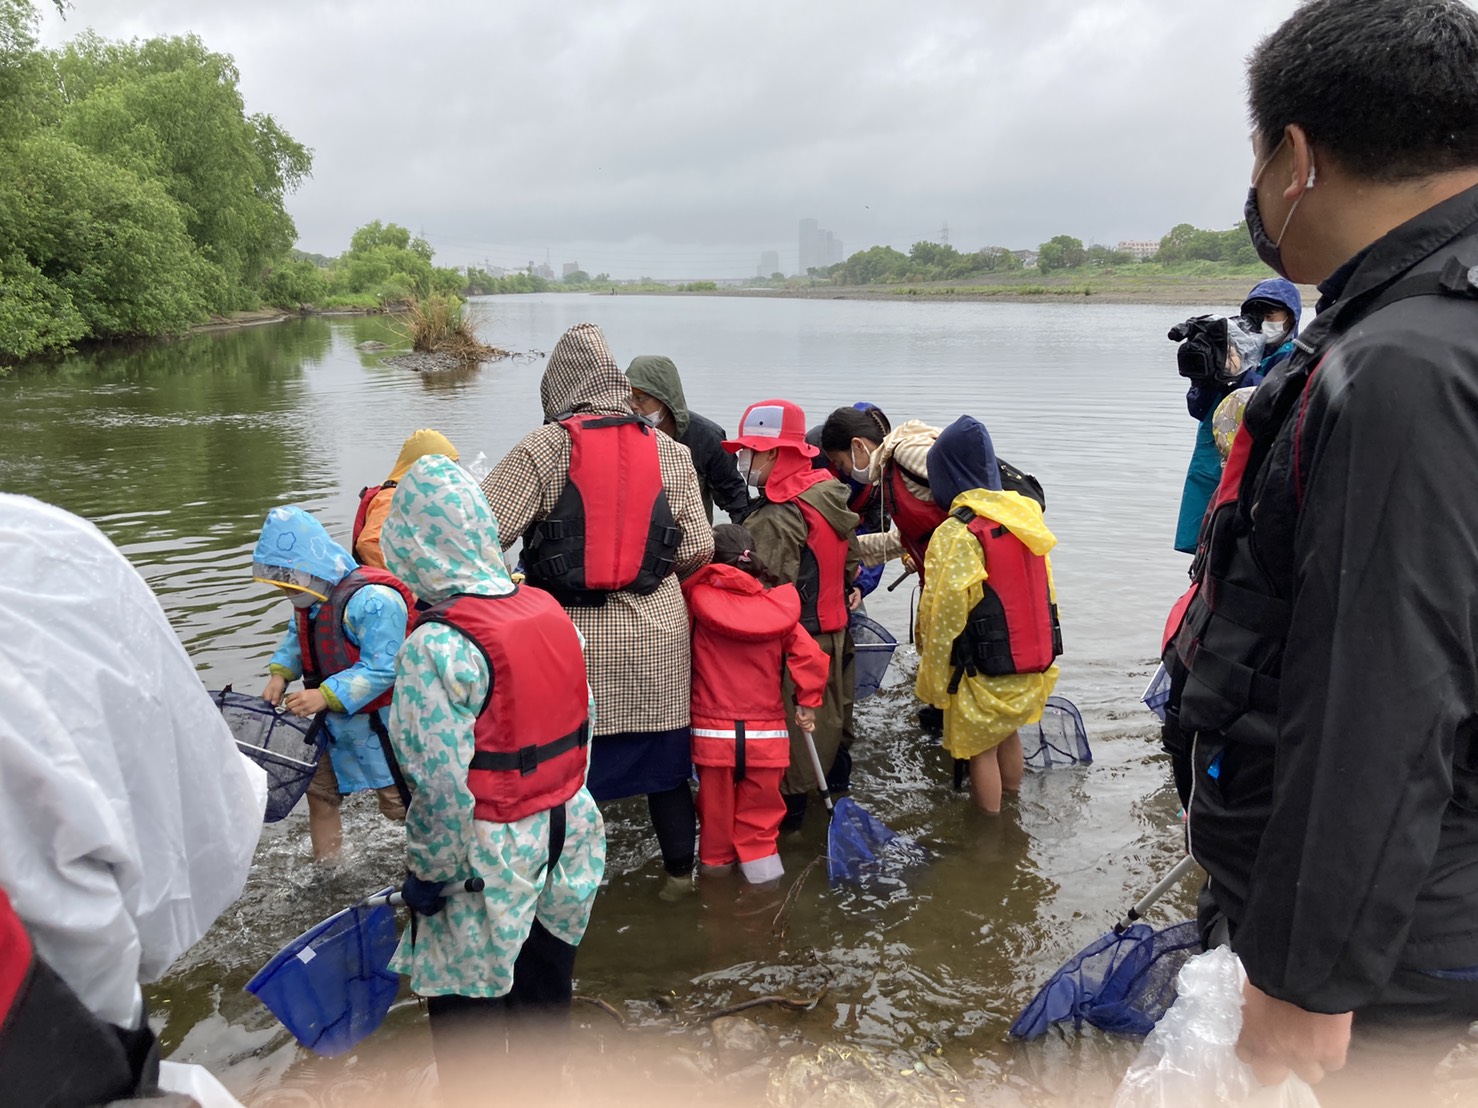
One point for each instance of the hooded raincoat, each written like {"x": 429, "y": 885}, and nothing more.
{"x": 418, "y": 445}
{"x": 127, "y": 816}
{"x": 1202, "y": 400}
{"x": 984, "y": 711}
{"x": 637, "y": 650}
{"x": 718, "y": 475}
{"x": 779, "y": 532}
{"x": 374, "y": 621}
{"x": 441, "y": 540}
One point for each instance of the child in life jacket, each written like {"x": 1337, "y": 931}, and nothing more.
{"x": 374, "y": 501}
{"x": 805, "y": 534}
{"x": 987, "y": 629}
{"x": 745, "y": 638}
{"x": 348, "y": 622}
{"x": 492, "y": 722}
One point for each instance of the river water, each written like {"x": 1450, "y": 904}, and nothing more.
{"x": 176, "y": 450}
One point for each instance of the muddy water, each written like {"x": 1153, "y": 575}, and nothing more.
{"x": 177, "y": 451}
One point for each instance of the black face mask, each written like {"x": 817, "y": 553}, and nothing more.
{"x": 1269, "y": 250}
{"x": 1270, "y": 253}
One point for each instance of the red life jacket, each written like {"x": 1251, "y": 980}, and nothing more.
{"x": 322, "y": 640}
{"x": 744, "y": 637}
{"x": 612, "y": 528}
{"x": 822, "y": 579}
{"x": 532, "y": 731}
{"x": 915, "y": 519}
{"x": 1014, "y": 629}
{"x": 366, "y": 498}
{"x": 53, "y": 1050}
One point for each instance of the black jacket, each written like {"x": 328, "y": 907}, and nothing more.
{"x": 1333, "y": 764}
{"x": 718, "y": 475}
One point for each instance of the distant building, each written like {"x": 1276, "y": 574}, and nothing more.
{"x": 570, "y": 267}
{"x": 1028, "y": 258}
{"x": 1140, "y": 249}
{"x": 544, "y": 270}
{"x": 769, "y": 263}
{"x": 818, "y": 247}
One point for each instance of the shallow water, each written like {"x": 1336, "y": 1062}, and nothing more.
{"x": 177, "y": 450}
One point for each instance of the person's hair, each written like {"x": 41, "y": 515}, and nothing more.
{"x": 733, "y": 545}
{"x": 846, "y": 424}
{"x": 1388, "y": 87}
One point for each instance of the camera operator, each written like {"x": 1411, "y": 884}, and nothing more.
{"x": 1274, "y": 307}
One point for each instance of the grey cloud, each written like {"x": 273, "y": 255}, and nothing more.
{"x": 682, "y": 139}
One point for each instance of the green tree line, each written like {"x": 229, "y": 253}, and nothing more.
{"x": 137, "y": 195}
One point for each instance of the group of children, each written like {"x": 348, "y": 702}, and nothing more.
{"x": 463, "y": 696}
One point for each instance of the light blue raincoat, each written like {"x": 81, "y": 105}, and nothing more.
{"x": 441, "y": 539}
{"x": 374, "y": 621}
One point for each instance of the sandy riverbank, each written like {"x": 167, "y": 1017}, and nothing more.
{"x": 1211, "y": 290}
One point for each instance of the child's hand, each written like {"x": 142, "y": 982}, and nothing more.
{"x": 854, "y": 600}
{"x": 276, "y": 686}
{"x": 805, "y": 718}
{"x": 309, "y": 702}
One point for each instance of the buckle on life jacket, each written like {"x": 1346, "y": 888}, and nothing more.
{"x": 528, "y": 760}
{"x": 553, "y": 529}
{"x": 552, "y": 567}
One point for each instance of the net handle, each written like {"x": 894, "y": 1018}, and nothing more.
{"x": 1165, "y": 884}
{"x": 451, "y": 888}
{"x": 820, "y": 773}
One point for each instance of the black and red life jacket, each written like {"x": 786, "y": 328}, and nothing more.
{"x": 1014, "y": 629}
{"x": 322, "y": 640}
{"x": 53, "y": 1050}
{"x": 916, "y": 519}
{"x": 612, "y": 528}
{"x": 366, "y": 498}
{"x": 532, "y": 731}
{"x": 822, "y": 577}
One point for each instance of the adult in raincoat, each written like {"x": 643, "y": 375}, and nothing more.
{"x": 515, "y": 941}
{"x": 127, "y": 816}
{"x": 295, "y": 554}
{"x": 981, "y": 713}
{"x": 637, "y": 649}
{"x": 374, "y": 501}
{"x": 657, "y": 396}
{"x": 1275, "y": 306}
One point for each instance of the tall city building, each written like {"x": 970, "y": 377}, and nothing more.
{"x": 570, "y": 267}
{"x": 769, "y": 263}
{"x": 818, "y": 247}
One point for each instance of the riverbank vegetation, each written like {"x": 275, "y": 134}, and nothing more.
{"x": 137, "y": 195}
{"x": 438, "y": 324}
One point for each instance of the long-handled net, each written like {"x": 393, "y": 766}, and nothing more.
{"x": 286, "y": 746}
{"x": 331, "y": 986}
{"x": 874, "y": 647}
{"x": 1123, "y": 981}
{"x": 1060, "y": 739}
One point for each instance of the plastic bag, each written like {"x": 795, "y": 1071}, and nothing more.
{"x": 1189, "y": 1060}
{"x": 479, "y": 467}
{"x": 1157, "y": 692}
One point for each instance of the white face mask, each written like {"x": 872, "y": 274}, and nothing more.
{"x": 862, "y": 476}
{"x": 651, "y": 419}
{"x": 1273, "y": 333}
{"x": 744, "y": 460}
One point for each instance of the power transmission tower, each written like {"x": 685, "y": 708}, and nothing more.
{"x": 944, "y": 235}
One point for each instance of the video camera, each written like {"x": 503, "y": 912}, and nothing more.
{"x": 1216, "y": 347}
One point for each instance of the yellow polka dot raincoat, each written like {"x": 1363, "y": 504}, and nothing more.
{"x": 983, "y": 711}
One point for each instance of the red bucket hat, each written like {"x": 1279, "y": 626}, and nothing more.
{"x": 770, "y": 424}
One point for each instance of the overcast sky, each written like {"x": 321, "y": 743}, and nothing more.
{"x": 680, "y": 139}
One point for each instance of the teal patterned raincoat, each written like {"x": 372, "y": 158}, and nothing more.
{"x": 441, "y": 539}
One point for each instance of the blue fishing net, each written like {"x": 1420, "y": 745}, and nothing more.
{"x": 859, "y": 846}
{"x": 331, "y": 986}
{"x": 283, "y": 744}
{"x": 874, "y": 650}
{"x": 1060, "y": 739}
{"x": 1120, "y": 983}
